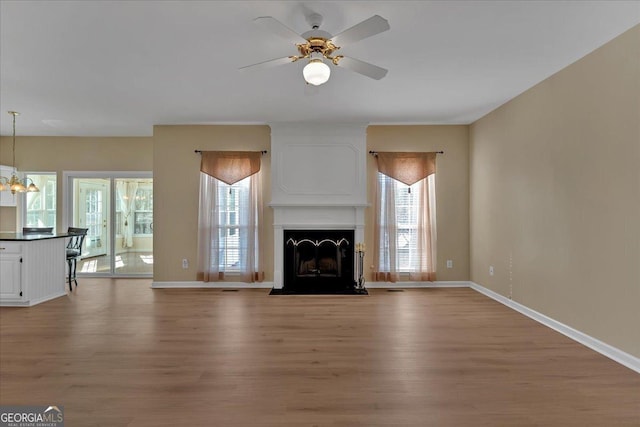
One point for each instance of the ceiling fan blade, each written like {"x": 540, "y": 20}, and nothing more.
{"x": 362, "y": 67}
{"x": 367, "y": 28}
{"x": 278, "y": 28}
{"x": 267, "y": 64}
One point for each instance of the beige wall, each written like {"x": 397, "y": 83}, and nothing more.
{"x": 57, "y": 154}
{"x": 555, "y": 196}
{"x": 176, "y": 201}
{"x": 176, "y": 174}
{"x": 452, "y": 188}
{"x": 170, "y": 154}
{"x": 8, "y": 219}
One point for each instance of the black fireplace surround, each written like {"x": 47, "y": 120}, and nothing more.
{"x": 318, "y": 261}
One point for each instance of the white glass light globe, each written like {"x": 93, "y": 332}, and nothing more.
{"x": 316, "y": 72}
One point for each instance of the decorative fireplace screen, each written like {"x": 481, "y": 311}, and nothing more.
{"x": 318, "y": 258}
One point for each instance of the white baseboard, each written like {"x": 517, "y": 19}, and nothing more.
{"x": 48, "y": 297}
{"x": 395, "y": 285}
{"x": 32, "y": 302}
{"x": 212, "y": 285}
{"x": 15, "y": 303}
{"x": 605, "y": 349}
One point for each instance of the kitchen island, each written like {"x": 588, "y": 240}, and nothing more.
{"x": 32, "y": 268}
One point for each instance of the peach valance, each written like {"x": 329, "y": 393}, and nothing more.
{"x": 230, "y": 166}
{"x": 407, "y": 168}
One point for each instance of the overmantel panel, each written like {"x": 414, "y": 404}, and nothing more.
{"x": 319, "y": 169}
{"x": 318, "y": 164}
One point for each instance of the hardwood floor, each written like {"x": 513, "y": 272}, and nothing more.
{"x": 116, "y": 353}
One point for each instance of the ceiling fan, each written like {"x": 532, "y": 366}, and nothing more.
{"x": 317, "y": 46}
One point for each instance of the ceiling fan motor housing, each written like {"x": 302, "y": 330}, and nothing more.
{"x": 314, "y": 20}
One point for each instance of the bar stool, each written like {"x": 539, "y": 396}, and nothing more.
{"x": 74, "y": 251}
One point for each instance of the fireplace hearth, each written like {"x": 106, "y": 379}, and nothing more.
{"x": 318, "y": 261}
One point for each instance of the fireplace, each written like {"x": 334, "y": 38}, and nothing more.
{"x": 318, "y": 260}
{"x": 318, "y": 188}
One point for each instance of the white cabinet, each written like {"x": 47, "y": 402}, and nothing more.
{"x": 6, "y": 198}
{"x": 10, "y": 271}
{"x": 31, "y": 270}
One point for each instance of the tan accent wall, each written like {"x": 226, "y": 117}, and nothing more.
{"x": 452, "y": 189}
{"x": 58, "y": 154}
{"x": 8, "y": 219}
{"x": 176, "y": 174}
{"x": 555, "y": 196}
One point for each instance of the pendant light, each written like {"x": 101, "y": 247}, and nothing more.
{"x": 15, "y": 184}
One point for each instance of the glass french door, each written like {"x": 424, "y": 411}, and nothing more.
{"x": 92, "y": 212}
{"x": 117, "y": 211}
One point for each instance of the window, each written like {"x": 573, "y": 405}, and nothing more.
{"x": 407, "y": 211}
{"x": 229, "y": 216}
{"x": 40, "y": 209}
{"x": 233, "y": 202}
{"x": 406, "y": 216}
{"x": 143, "y": 214}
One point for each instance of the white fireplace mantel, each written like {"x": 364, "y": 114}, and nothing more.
{"x": 318, "y": 181}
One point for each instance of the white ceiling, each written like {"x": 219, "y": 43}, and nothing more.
{"x": 116, "y": 68}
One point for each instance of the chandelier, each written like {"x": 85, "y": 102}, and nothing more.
{"x": 15, "y": 184}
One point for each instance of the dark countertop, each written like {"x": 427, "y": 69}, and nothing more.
{"x": 5, "y": 237}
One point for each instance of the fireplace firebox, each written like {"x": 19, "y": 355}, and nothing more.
{"x": 318, "y": 260}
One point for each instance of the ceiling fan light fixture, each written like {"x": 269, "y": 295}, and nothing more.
{"x": 316, "y": 72}
{"x": 317, "y": 45}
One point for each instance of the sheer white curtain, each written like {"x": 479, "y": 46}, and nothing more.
{"x": 126, "y": 193}
{"x": 208, "y": 231}
{"x": 230, "y": 225}
{"x": 424, "y": 267}
{"x": 251, "y": 265}
{"x": 405, "y": 232}
{"x": 386, "y": 231}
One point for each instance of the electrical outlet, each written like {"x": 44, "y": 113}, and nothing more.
{"x": 449, "y": 263}
{"x": 185, "y": 263}
{"x": 491, "y": 270}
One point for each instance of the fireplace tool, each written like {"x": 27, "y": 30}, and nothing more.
{"x": 360, "y": 249}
